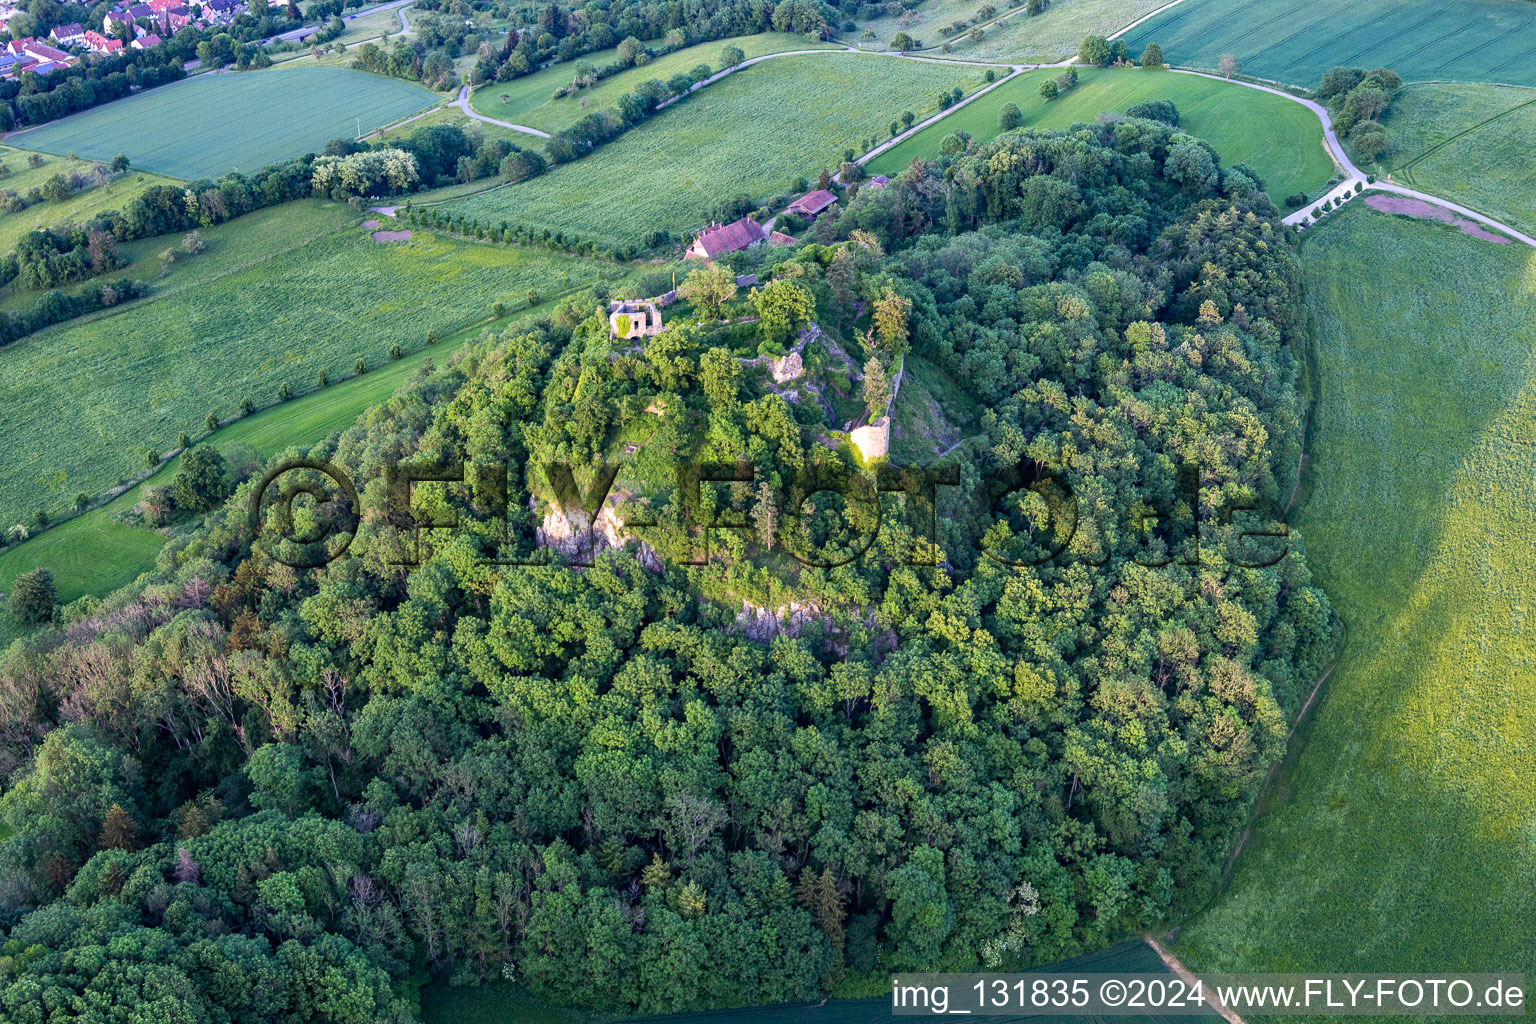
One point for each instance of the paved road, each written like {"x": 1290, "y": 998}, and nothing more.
{"x": 463, "y": 104}
{"x": 1353, "y": 175}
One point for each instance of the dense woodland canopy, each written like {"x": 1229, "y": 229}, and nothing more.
{"x": 243, "y": 791}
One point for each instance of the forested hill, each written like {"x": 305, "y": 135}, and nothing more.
{"x": 242, "y": 791}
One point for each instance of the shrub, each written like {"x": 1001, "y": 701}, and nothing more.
{"x": 284, "y": 392}
{"x": 360, "y": 367}
{"x": 394, "y": 351}
{"x": 33, "y": 598}
{"x": 247, "y": 406}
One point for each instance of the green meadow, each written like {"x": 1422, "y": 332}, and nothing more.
{"x": 1282, "y": 140}
{"x": 1469, "y": 143}
{"x": 1297, "y": 40}
{"x": 724, "y": 140}
{"x": 279, "y": 296}
{"x": 1400, "y": 836}
{"x": 530, "y": 100}
{"x": 232, "y": 122}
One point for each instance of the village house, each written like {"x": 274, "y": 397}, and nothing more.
{"x": 779, "y": 238}
{"x": 29, "y": 54}
{"x": 879, "y": 181}
{"x": 113, "y": 22}
{"x": 72, "y": 34}
{"x": 633, "y": 319}
{"x": 173, "y": 20}
{"x": 718, "y": 239}
{"x": 144, "y": 42}
{"x": 812, "y": 203}
{"x": 98, "y": 43}
{"x": 220, "y": 12}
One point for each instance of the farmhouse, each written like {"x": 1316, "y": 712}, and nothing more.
{"x": 779, "y": 238}
{"x": 812, "y": 203}
{"x": 639, "y": 319}
{"x": 717, "y": 239}
{"x": 72, "y": 34}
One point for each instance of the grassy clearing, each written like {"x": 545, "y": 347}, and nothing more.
{"x": 1280, "y": 139}
{"x": 724, "y": 140}
{"x": 1297, "y": 40}
{"x": 81, "y": 206}
{"x": 922, "y": 22}
{"x": 279, "y": 296}
{"x": 229, "y": 122}
{"x": 932, "y": 413}
{"x": 1050, "y": 36}
{"x": 1402, "y": 836}
{"x": 530, "y": 100}
{"x": 459, "y": 119}
{"x": 1469, "y": 143}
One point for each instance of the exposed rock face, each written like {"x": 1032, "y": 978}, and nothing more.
{"x": 573, "y": 534}
{"x": 788, "y": 368}
{"x": 760, "y": 624}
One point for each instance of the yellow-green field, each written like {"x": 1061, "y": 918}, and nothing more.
{"x": 1403, "y": 835}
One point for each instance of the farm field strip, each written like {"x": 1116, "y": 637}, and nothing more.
{"x": 1466, "y": 40}
{"x": 1047, "y": 37}
{"x": 251, "y": 313}
{"x": 318, "y": 103}
{"x": 530, "y": 100}
{"x": 723, "y": 140}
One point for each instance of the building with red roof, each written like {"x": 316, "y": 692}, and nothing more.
{"x": 718, "y": 239}
{"x": 812, "y": 203}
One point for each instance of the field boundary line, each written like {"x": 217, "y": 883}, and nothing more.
{"x": 1144, "y": 18}
{"x": 1463, "y": 134}
{"x": 1176, "y": 965}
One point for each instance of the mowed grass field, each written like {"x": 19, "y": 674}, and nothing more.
{"x": 1403, "y": 834}
{"x": 1051, "y": 35}
{"x": 530, "y": 100}
{"x": 1282, "y": 140}
{"x": 280, "y": 295}
{"x": 217, "y": 123}
{"x": 733, "y": 137}
{"x": 1468, "y": 143}
{"x": 1297, "y": 40}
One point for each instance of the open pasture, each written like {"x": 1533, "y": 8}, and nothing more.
{"x": 279, "y": 296}
{"x": 530, "y": 100}
{"x": 1282, "y": 140}
{"x": 728, "y": 139}
{"x": 217, "y": 123}
{"x": 79, "y": 207}
{"x": 1297, "y": 40}
{"x": 1400, "y": 835}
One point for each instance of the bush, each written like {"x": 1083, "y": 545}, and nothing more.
{"x": 1296, "y": 199}
{"x": 1156, "y": 110}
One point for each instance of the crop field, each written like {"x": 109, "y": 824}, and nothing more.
{"x": 1050, "y": 36}
{"x": 281, "y": 295}
{"x": 232, "y": 122}
{"x": 1282, "y": 140}
{"x": 530, "y": 100}
{"x": 724, "y": 140}
{"x": 1401, "y": 837}
{"x": 95, "y": 553}
{"x": 923, "y": 22}
{"x": 1468, "y": 143}
{"x": 1297, "y": 40}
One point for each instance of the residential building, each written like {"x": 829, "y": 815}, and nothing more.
{"x": 879, "y": 181}
{"x": 144, "y": 42}
{"x": 98, "y": 43}
{"x": 812, "y": 203}
{"x": 72, "y": 34}
{"x": 723, "y": 238}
